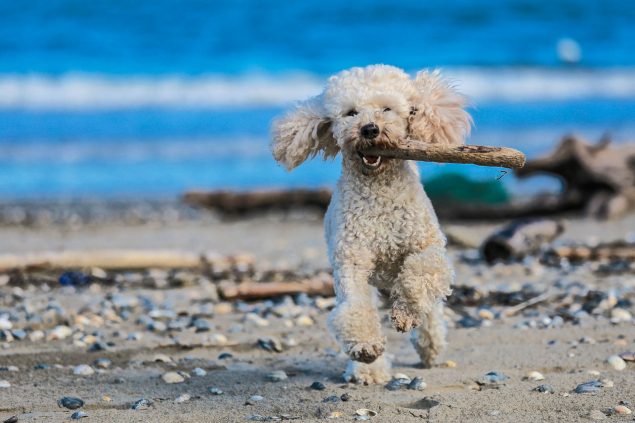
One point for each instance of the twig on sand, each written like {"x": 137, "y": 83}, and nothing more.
{"x": 511, "y": 311}
{"x": 260, "y": 290}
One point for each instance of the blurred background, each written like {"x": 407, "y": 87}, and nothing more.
{"x": 118, "y": 99}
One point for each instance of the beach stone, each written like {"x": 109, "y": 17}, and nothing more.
{"x": 277, "y": 376}
{"x": 141, "y": 404}
{"x": 596, "y": 415}
{"x": 199, "y": 372}
{"x": 318, "y": 386}
{"x": 78, "y": 415}
{"x": 628, "y": 356}
{"x": 102, "y": 363}
{"x": 162, "y": 358}
{"x": 270, "y": 344}
{"x": 256, "y": 320}
{"x": 172, "y": 377}
{"x": 417, "y": 384}
{"x": 494, "y": 378}
{"x": 622, "y": 409}
{"x": 486, "y": 314}
{"x": 588, "y": 387}
{"x": 254, "y": 399}
{"x": 616, "y": 362}
{"x": 331, "y": 398}
{"x": 619, "y": 315}
{"x": 544, "y": 388}
{"x": 36, "y": 335}
{"x": 345, "y": 396}
{"x": 12, "y": 419}
{"x": 225, "y": 356}
{"x": 72, "y": 403}
{"x": 182, "y": 398}
{"x": 83, "y": 370}
{"x": 215, "y": 391}
{"x": 535, "y": 376}
{"x": 60, "y": 332}
{"x": 4, "y": 384}
{"x": 202, "y": 325}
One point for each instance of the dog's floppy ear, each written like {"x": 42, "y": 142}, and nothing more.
{"x": 302, "y": 133}
{"x": 437, "y": 114}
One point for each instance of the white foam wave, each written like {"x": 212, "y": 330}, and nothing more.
{"x": 89, "y": 92}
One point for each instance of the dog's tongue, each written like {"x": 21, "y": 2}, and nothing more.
{"x": 371, "y": 159}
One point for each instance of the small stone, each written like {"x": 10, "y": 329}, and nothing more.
{"x": 12, "y": 419}
{"x": 622, "y": 409}
{"x": 256, "y": 320}
{"x": 449, "y": 364}
{"x": 4, "y": 384}
{"x": 587, "y": 340}
{"x": 78, "y": 415}
{"x": 494, "y": 377}
{"x": 544, "y": 388}
{"x": 318, "y": 386}
{"x": 225, "y": 356}
{"x": 628, "y": 356}
{"x": 202, "y": 325}
{"x": 486, "y": 314}
{"x": 19, "y": 334}
{"x": 619, "y": 315}
{"x": 254, "y": 399}
{"x": 331, "y": 398}
{"x": 304, "y": 320}
{"x": 469, "y": 322}
{"x": 404, "y": 378}
{"x": 42, "y": 366}
{"x": 161, "y": 358}
{"x": 172, "y": 377}
{"x": 72, "y": 403}
{"x": 417, "y": 384}
{"x": 596, "y": 415}
{"x": 277, "y": 376}
{"x": 395, "y": 385}
{"x": 106, "y": 398}
{"x": 60, "y": 332}
{"x": 534, "y": 376}
{"x": 588, "y": 387}
{"x": 270, "y": 344}
{"x": 616, "y": 362}
{"x": 215, "y": 391}
{"x": 36, "y": 335}
{"x": 83, "y": 370}
{"x": 182, "y": 398}
{"x": 365, "y": 412}
{"x": 102, "y": 363}
{"x": 142, "y": 404}
{"x": 199, "y": 372}
{"x": 345, "y": 396}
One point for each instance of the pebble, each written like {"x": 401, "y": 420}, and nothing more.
{"x": 83, "y": 370}
{"x": 256, "y": 320}
{"x": 486, "y": 314}
{"x": 345, "y": 396}
{"x": 102, "y": 363}
{"x": 161, "y": 358}
{"x": 394, "y": 385}
{"x": 535, "y": 376}
{"x": 36, "y": 335}
{"x": 172, "y": 377}
{"x": 449, "y": 364}
{"x": 494, "y": 377}
{"x": 199, "y": 372}
{"x": 270, "y": 344}
{"x": 60, "y": 332}
{"x": 304, "y": 320}
{"x": 4, "y": 384}
{"x": 182, "y": 398}
{"x": 588, "y": 387}
{"x": 331, "y": 398}
{"x": 622, "y": 409}
{"x": 616, "y": 362}
{"x": 142, "y": 404}
{"x": 545, "y": 389}
{"x": 628, "y": 356}
{"x": 12, "y": 419}
{"x": 318, "y": 386}
{"x": 225, "y": 356}
{"x": 597, "y": 415}
{"x": 215, "y": 391}
{"x": 78, "y": 415}
{"x": 417, "y": 384}
{"x": 619, "y": 315}
{"x": 277, "y": 376}
{"x": 254, "y": 399}
{"x": 365, "y": 412}
{"x": 72, "y": 403}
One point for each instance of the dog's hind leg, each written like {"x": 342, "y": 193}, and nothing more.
{"x": 429, "y": 338}
{"x": 424, "y": 281}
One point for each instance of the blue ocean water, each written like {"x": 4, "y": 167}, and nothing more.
{"x": 125, "y": 98}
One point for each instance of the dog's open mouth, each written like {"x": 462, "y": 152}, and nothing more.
{"x": 371, "y": 162}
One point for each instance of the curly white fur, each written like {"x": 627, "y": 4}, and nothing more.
{"x": 381, "y": 229}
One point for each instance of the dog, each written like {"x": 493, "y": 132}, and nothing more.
{"x": 381, "y": 230}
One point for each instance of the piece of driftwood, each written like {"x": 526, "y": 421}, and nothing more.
{"x": 618, "y": 250}
{"x": 261, "y": 290}
{"x": 253, "y": 201}
{"x": 110, "y": 260}
{"x": 598, "y": 179}
{"x": 520, "y": 238}
{"x": 467, "y": 154}
{"x": 511, "y": 311}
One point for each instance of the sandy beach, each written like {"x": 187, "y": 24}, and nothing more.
{"x": 133, "y": 332}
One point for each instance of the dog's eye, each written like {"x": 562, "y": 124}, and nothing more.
{"x": 351, "y": 112}
{"x": 387, "y": 109}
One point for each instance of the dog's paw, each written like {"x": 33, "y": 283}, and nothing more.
{"x": 366, "y": 352}
{"x": 367, "y": 374}
{"x": 403, "y": 317}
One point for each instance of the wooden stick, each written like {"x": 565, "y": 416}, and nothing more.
{"x": 468, "y": 154}
{"x": 260, "y": 290}
{"x": 108, "y": 259}
{"x": 526, "y": 304}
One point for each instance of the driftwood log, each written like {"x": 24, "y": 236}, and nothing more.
{"x": 467, "y": 154}
{"x": 598, "y": 179}
{"x": 520, "y": 238}
{"x": 261, "y": 290}
{"x": 254, "y": 201}
{"x": 618, "y": 250}
{"x": 116, "y": 260}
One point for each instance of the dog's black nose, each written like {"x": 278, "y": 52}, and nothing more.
{"x": 370, "y": 131}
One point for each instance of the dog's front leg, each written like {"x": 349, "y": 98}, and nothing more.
{"x": 355, "y": 321}
{"x": 424, "y": 281}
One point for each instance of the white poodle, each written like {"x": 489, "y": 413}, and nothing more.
{"x": 380, "y": 227}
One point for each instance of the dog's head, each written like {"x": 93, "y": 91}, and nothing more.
{"x": 375, "y": 105}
